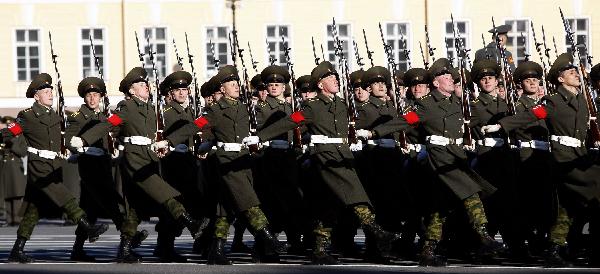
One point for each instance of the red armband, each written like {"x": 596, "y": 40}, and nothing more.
{"x": 297, "y": 117}
{"x": 201, "y": 122}
{"x": 540, "y": 112}
{"x": 115, "y": 120}
{"x": 15, "y": 129}
{"x": 411, "y": 117}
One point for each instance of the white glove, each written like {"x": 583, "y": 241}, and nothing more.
{"x": 116, "y": 153}
{"x": 356, "y": 147}
{"x": 363, "y": 134}
{"x": 160, "y": 145}
{"x": 76, "y": 142}
{"x": 251, "y": 140}
{"x": 597, "y": 144}
{"x": 469, "y": 148}
{"x": 490, "y": 128}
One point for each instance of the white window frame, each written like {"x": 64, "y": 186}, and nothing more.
{"x": 588, "y": 34}
{"x": 153, "y": 43}
{"x": 466, "y": 36}
{"x": 209, "y": 62}
{"x": 277, "y": 39}
{"x": 517, "y": 35}
{"x": 350, "y": 51}
{"x": 105, "y": 56}
{"x": 27, "y": 44}
{"x": 397, "y": 51}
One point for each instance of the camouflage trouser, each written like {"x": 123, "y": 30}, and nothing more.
{"x": 322, "y": 238}
{"x": 221, "y": 228}
{"x": 364, "y": 214}
{"x": 174, "y": 207}
{"x": 475, "y": 211}
{"x": 433, "y": 232}
{"x": 32, "y": 215}
{"x": 256, "y": 218}
{"x": 560, "y": 228}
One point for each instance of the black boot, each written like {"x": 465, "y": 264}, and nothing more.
{"x": 93, "y": 231}
{"x": 272, "y": 245}
{"x": 238, "y": 246}
{"x": 429, "y": 257}
{"x": 489, "y": 246}
{"x": 320, "y": 255}
{"x": 381, "y": 238}
{"x": 216, "y": 255}
{"x": 294, "y": 240}
{"x": 552, "y": 257}
{"x": 17, "y": 255}
{"x": 195, "y": 227}
{"x": 165, "y": 249}
{"x": 78, "y": 254}
{"x": 138, "y": 238}
{"x": 126, "y": 254}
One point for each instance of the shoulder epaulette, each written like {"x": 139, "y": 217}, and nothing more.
{"x": 27, "y": 110}
{"x": 518, "y": 104}
{"x": 167, "y": 109}
{"x": 262, "y": 104}
{"x": 74, "y": 114}
{"x": 424, "y": 97}
{"x": 475, "y": 101}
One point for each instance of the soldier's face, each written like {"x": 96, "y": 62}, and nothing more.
{"x": 329, "y": 84}
{"x": 179, "y": 95}
{"x": 570, "y": 77}
{"x": 44, "y": 97}
{"x": 419, "y": 90}
{"x": 140, "y": 90}
{"x": 92, "y": 100}
{"x": 231, "y": 89}
{"x": 531, "y": 86}
{"x": 276, "y": 89}
{"x": 308, "y": 95}
{"x": 488, "y": 83}
{"x": 208, "y": 100}
{"x": 503, "y": 37}
{"x": 262, "y": 94}
{"x": 361, "y": 94}
{"x": 217, "y": 96}
{"x": 379, "y": 89}
{"x": 444, "y": 83}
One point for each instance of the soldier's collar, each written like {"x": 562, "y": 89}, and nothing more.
{"x": 138, "y": 101}
{"x": 485, "y": 98}
{"x": 176, "y": 106}
{"x": 40, "y": 109}
{"x": 273, "y": 102}
{"x": 564, "y": 92}
{"x": 86, "y": 111}
{"x": 324, "y": 98}
{"x": 437, "y": 95}
{"x": 376, "y": 101}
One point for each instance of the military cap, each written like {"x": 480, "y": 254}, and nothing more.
{"x": 357, "y": 78}
{"x": 377, "y": 74}
{"x": 528, "y": 69}
{"x": 7, "y": 119}
{"x": 563, "y": 62}
{"x": 135, "y": 75}
{"x": 415, "y": 76}
{"x": 304, "y": 83}
{"x": 399, "y": 75}
{"x": 485, "y": 67}
{"x": 205, "y": 90}
{"x": 178, "y": 79}
{"x": 257, "y": 83}
{"x": 439, "y": 67}
{"x": 275, "y": 74}
{"x": 40, "y": 81}
{"x": 323, "y": 70}
{"x": 91, "y": 84}
{"x": 500, "y": 29}
{"x": 226, "y": 74}
{"x": 595, "y": 75}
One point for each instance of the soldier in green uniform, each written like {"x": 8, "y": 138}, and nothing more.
{"x": 490, "y": 52}
{"x": 136, "y": 121}
{"x": 260, "y": 87}
{"x": 12, "y": 176}
{"x": 99, "y": 194}
{"x": 228, "y": 120}
{"x": 38, "y": 133}
{"x": 440, "y": 115}
{"x": 578, "y": 176}
{"x": 492, "y": 149}
{"x": 327, "y": 120}
{"x": 305, "y": 86}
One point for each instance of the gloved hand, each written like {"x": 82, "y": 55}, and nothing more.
{"x": 76, "y": 142}
{"x": 470, "y": 147}
{"x": 251, "y": 140}
{"x": 364, "y": 134}
{"x": 356, "y": 147}
{"x": 490, "y": 128}
{"x": 159, "y": 145}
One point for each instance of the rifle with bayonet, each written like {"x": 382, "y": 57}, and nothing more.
{"x": 350, "y": 102}
{"x": 140, "y": 53}
{"x": 295, "y": 102}
{"x": 272, "y": 58}
{"x": 60, "y": 106}
{"x": 461, "y": 55}
{"x": 357, "y": 55}
{"x": 546, "y": 49}
{"x": 526, "y": 53}
{"x": 159, "y": 103}
{"x": 106, "y": 102}
{"x": 369, "y": 52}
{"x": 405, "y": 49}
{"x": 214, "y": 56}
{"x": 538, "y": 48}
{"x": 254, "y": 63}
{"x": 314, "y": 52}
{"x": 179, "y": 58}
{"x": 425, "y": 63}
{"x": 485, "y": 48}
{"x": 506, "y": 74}
{"x": 196, "y": 104}
{"x": 430, "y": 50}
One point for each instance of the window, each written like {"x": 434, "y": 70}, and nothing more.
{"x": 158, "y": 44}
{"x": 394, "y": 35}
{"x": 28, "y": 53}
{"x": 518, "y": 42}
{"x": 580, "y": 29}
{"x": 276, "y": 48}
{"x": 88, "y": 63}
{"x": 462, "y": 30}
{"x": 219, "y": 36}
{"x": 343, "y": 31}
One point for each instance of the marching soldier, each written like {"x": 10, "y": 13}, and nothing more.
{"x": 38, "y": 134}
{"x": 491, "y": 51}
{"x": 305, "y": 85}
{"x": 578, "y": 176}
{"x": 326, "y": 119}
{"x": 136, "y": 121}
{"x": 259, "y": 86}
{"x": 12, "y": 176}
{"x": 99, "y": 193}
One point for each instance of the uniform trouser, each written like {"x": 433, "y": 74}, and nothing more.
{"x": 475, "y": 212}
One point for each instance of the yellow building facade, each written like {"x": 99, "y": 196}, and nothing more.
{"x": 112, "y": 24}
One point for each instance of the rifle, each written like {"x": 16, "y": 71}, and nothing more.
{"x": 60, "y": 107}
{"x": 538, "y": 48}
{"x": 485, "y": 48}
{"x": 250, "y": 107}
{"x": 555, "y": 48}
{"x": 107, "y": 112}
{"x": 191, "y": 98}
{"x": 527, "y": 55}
{"x": 369, "y": 53}
{"x": 506, "y": 74}
{"x": 449, "y": 54}
{"x": 350, "y": 102}
{"x": 214, "y": 56}
{"x": 594, "y": 130}
{"x": 254, "y": 63}
{"x": 272, "y": 58}
{"x": 357, "y": 54}
{"x": 297, "y": 138}
{"x": 405, "y": 49}
{"x": 197, "y": 105}
{"x": 158, "y": 107}
{"x": 314, "y": 51}
{"x": 430, "y": 50}
{"x": 233, "y": 52}
{"x": 425, "y": 63}
{"x": 179, "y": 58}
{"x": 546, "y": 49}
{"x": 140, "y": 53}
{"x": 322, "y": 52}
{"x": 466, "y": 94}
